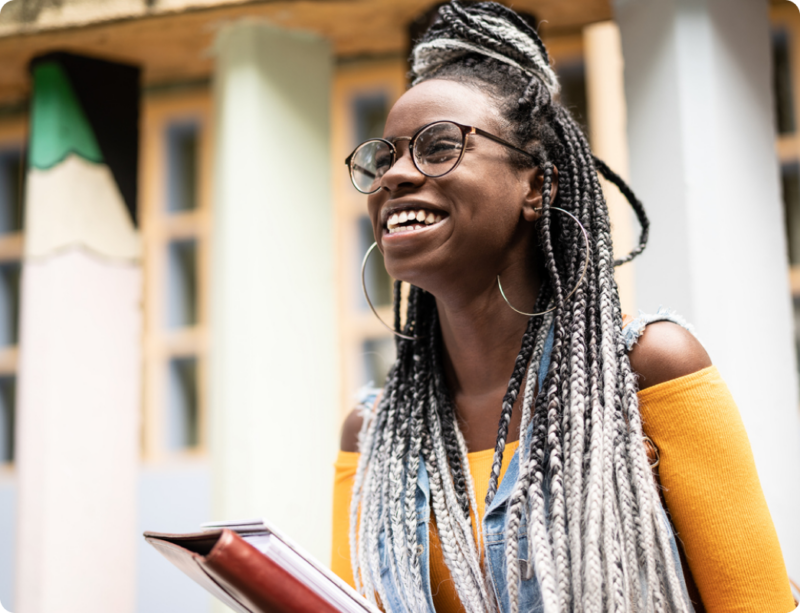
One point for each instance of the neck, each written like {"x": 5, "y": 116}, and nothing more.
{"x": 481, "y": 339}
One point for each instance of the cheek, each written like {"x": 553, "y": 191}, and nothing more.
{"x": 494, "y": 210}
{"x": 374, "y": 202}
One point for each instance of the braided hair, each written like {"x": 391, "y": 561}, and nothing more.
{"x": 596, "y": 538}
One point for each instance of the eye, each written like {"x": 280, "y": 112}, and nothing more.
{"x": 383, "y": 161}
{"x": 438, "y": 147}
{"x": 440, "y": 150}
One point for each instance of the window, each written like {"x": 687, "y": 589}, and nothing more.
{"x": 12, "y": 170}
{"x": 782, "y": 82}
{"x": 9, "y": 304}
{"x": 181, "y": 291}
{"x": 181, "y": 152}
{"x": 175, "y": 227}
{"x": 369, "y": 115}
{"x": 182, "y": 407}
{"x": 11, "y": 190}
{"x": 364, "y": 91}
{"x": 785, "y": 59}
{"x": 790, "y": 184}
{"x": 8, "y": 394}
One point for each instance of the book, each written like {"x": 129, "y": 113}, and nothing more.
{"x": 253, "y": 568}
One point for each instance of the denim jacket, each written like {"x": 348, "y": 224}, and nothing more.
{"x": 494, "y": 521}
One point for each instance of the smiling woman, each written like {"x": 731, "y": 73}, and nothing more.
{"x": 523, "y": 434}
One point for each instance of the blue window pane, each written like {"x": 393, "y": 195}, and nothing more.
{"x": 8, "y": 395}
{"x": 11, "y": 190}
{"x": 181, "y": 284}
{"x": 182, "y": 139}
{"x": 790, "y": 184}
{"x": 182, "y": 404}
{"x": 370, "y": 112}
{"x": 9, "y": 304}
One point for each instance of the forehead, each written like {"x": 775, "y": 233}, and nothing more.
{"x": 439, "y": 99}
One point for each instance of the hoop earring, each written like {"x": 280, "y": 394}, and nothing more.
{"x": 574, "y": 289}
{"x": 369, "y": 302}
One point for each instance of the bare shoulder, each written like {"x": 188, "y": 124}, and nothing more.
{"x": 350, "y": 430}
{"x": 666, "y": 351}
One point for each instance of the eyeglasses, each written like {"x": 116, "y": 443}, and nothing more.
{"x": 435, "y": 149}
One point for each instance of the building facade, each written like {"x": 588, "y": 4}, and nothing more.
{"x": 182, "y": 328}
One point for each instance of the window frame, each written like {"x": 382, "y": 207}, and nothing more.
{"x": 13, "y": 135}
{"x": 353, "y": 80}
{"x": 159, "y": 227}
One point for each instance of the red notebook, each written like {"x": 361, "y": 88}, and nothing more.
{"x": 253, "y": 569}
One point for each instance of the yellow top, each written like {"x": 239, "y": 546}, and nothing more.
{"x": 710, "y": 486}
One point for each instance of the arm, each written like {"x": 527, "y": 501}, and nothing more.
{"x": 344, "y": 475}
{"x": 666, "y": 351}
{"x": 350, "y": 430}
{"x": 710, "y": 483}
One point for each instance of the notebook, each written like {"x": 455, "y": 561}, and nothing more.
{"x": 253, "y": 568}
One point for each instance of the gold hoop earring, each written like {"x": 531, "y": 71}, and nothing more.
{"x": 577, "y": 285}
{"x": 369, "y": 302}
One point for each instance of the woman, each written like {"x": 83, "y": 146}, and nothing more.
{"x": 484, "y": 197}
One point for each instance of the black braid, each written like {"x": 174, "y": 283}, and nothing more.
{"x": 635, "y": 203}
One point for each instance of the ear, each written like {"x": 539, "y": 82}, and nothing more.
{"x": 533, "y": 180}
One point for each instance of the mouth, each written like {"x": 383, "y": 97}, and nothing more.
{"x": 411, "y": 220}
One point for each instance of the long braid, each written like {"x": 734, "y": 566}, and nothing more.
{"x": 520, "y": 366}
{"x": 596, "y": 538}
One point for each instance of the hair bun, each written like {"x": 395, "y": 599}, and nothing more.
{"x": 488, "y": 29}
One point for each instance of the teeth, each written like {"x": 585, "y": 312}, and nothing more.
{"x": 426, "y": 217}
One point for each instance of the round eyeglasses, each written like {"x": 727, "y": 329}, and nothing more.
{"x": 435, "y": 149}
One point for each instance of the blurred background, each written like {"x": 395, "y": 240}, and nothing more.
{"x": 182, "y": 328}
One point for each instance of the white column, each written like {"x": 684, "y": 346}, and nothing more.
{"x": 703, "y": 161}
{"x": 607, "y": 123}
{"x": 80, "y": 358}
{"x": 274, "y": 371}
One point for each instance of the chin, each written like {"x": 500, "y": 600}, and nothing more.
{"x": 411, "y": 272}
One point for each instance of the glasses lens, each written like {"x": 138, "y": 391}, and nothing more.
{"x": 369, "y": 163}
{"x": 438, "y": 148}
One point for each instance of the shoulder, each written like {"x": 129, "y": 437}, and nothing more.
{"x": 350, "y": 430}
{"x": 666, "y": 351}
{"x": 368, "y": 399}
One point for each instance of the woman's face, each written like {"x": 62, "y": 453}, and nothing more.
{"x": 485, "y": 204}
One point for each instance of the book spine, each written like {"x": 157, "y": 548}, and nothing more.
{"x": 258, "y": 582}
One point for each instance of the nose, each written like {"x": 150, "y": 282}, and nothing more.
{"x": 403, "y": 172}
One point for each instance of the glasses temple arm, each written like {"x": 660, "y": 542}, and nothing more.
{"x": 497, "y": 139}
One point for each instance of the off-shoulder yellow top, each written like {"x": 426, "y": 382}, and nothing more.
{"x": 711, "y": 489}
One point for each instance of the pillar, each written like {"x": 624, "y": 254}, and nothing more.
{"x": 274, "y": 372}
{"x": 80, "y": 335}
{"x": 702, "y": 155}
{"x": 607, "y": 125}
